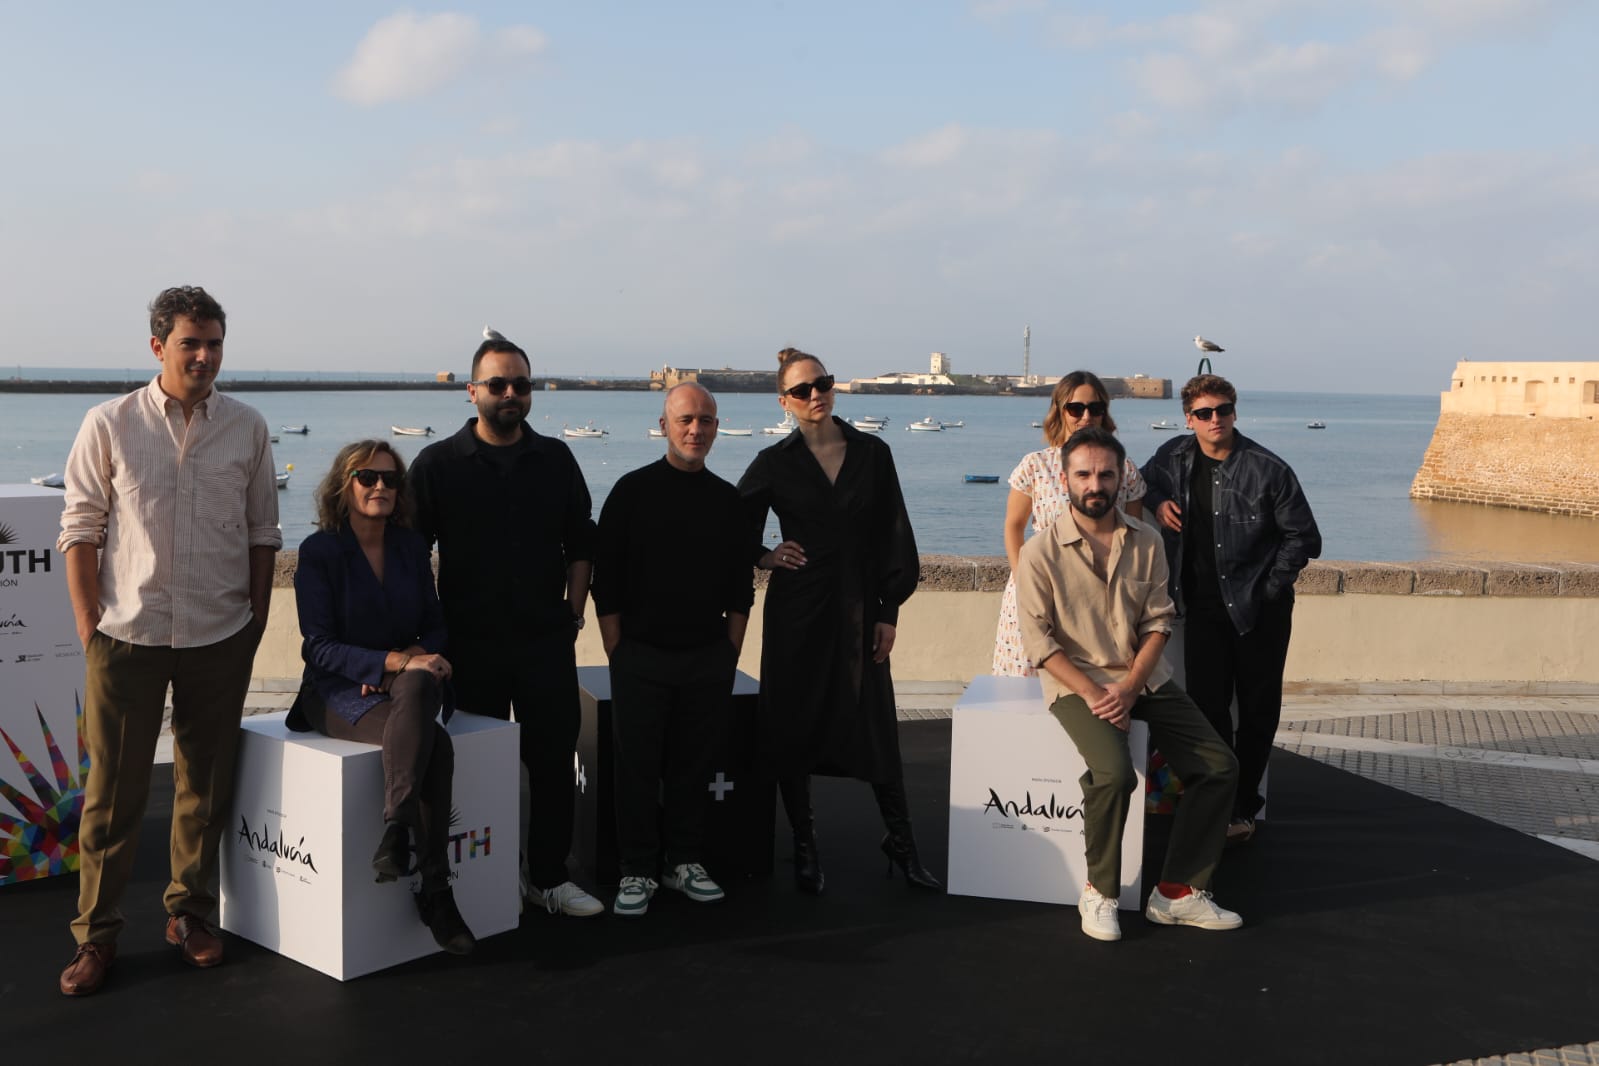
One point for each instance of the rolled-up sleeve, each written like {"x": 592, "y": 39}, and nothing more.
{"x": 1035, "y": 602}
{"x": 88, "y": 486}
{"x": 261, "y": 495}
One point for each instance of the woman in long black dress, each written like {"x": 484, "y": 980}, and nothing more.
{"x": 846, "y": 563}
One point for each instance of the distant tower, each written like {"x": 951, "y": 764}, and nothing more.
{"x": 1027, "y": 355}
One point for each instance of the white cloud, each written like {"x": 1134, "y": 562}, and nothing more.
{"x": 406, "y": 55}
{"x": 929, "y": 150}
{"x": 1231, "y": 56}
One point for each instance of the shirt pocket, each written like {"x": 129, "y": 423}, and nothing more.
{"x": 219, "y": 497}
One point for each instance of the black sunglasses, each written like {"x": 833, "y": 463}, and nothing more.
{"x": 392, "y": 479}
{"x": 497, "y": 386}
{"x": 803, "y": 390}
{"x": 1221, "y": 410}
{"x": 1097, "y": 408}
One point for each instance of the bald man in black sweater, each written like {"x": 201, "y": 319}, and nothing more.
{"x": 672, "y": 591}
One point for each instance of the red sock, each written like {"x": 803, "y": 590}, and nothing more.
{"x": 1174, "y": 889}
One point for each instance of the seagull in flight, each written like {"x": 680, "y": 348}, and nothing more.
{"x": 496, "y": 335}
{"x": 1207, "y": 346}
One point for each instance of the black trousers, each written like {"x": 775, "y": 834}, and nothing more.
{"x": 1221, "y": 663}
{"x": 536, "y": 676}
{"x": 668, "y": 709}
{"x": 418, "y": 765}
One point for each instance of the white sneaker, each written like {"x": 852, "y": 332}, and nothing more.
{"x": 691, "y": 879}
{"x": 1197, "y": 909}
{"x": 567, "y": 898}
{"x": 1099, "y": 915}
{"x": 633, "y": 897}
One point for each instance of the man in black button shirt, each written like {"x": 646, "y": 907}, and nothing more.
{"x": 1238, "y": 530}
{"x": 510, "y": 512}
{"x": 672, "y": 591}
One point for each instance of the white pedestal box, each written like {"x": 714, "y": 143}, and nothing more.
{"x": 1015, "y": 804}
{"x": 307, "y": 814}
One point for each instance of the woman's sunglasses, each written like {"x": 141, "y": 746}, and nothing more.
{"x": 497, "y": 386}
{"x": 803, "y": 390}
{"x": 392, "y": 479}
{"x": 1097, "y": 408}
{"x": 1221, "y": 410}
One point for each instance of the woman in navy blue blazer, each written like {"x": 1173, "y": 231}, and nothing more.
{"x": 372, "y": 630}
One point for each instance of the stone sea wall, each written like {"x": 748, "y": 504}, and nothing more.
{"x": 1519, "y": 461}
{"x": 1358, "y": 626}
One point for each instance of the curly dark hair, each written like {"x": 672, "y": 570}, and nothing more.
{"x": 183, "y": 301}
{"x": 1212, "y": 384}
{"x": 1055, "y": 422}
{"x": 332, "y": 507}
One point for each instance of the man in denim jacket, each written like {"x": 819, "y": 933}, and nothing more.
{"x": 1238, "y": 530}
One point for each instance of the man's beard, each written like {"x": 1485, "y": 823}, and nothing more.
{"x": 502, "y": 417}
{"x": 1093, "y": 504}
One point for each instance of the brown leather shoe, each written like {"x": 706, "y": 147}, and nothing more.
{"x": 201, "y": 947}
{"x": 86, "y": 973}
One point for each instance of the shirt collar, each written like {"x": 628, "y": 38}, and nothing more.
{"x": 159, "y": 397}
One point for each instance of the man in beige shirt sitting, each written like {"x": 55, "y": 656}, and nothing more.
{"x": 169, "y": 532}
{"x": 1095, "y": 614}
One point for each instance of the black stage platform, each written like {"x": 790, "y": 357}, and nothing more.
{"x": 1380, "y": 928}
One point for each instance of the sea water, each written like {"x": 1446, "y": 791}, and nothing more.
{"x": 1356, "y": 472}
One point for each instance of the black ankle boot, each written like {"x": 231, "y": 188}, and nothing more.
{"x": 898, "y": 843}
{"x": 392, "y": 860}
{"x": 443, "y": 919}
{"x": 808, "y": 874}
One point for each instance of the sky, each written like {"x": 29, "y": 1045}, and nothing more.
{"x": 1348, "y": 196}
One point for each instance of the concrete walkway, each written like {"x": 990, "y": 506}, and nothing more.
{"x": 1528, "y": 762}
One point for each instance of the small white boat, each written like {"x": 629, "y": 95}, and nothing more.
{"x": 50, "y": 481}
{"x": 875, "y": 419}
{"x": 273, "y": 438}
{"x": 588, "y": 432}
{"x": 1317, "y": 424}
{"x": 783, "y": 428}
{"x": 283, "y": 475}
{"x": 954, "y": 425}
{"x": 1164, "y": 424}
{"x": 1035, "y": 425}
{"x": 745, "y": 432}
{"x": 301, "y": 430}
{"x": 411, "y": 431}
{"x": 867, "y": 427}
{"x": 657, "y": 431}
{"x": 927, "y": 425}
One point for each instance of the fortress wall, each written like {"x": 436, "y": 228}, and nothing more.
{"x": 1358, "y": 627}
{"x": 1520, "y": 461}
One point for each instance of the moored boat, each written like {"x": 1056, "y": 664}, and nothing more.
{"x": 1164, "y": 424}
{"x": 745, "y": 432}
{"x": 867, "y": 427}
{"x": 1317, "y": 424}
{"x": 50, "y": 481}
{"x": 283, "y": 475}
{"x": 927, "y": 425}
{"x": 302, "y": 430}
{"x": 982, "y": 479}
{"x": 411, "y": 431}
{"x": 783, "y": 428}
{"x": 588, "y": 432}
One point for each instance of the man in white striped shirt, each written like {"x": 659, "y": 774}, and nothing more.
{"x": 169, "y": 533}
